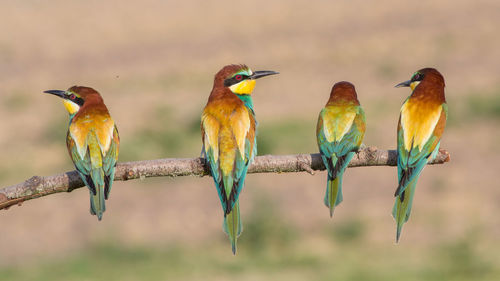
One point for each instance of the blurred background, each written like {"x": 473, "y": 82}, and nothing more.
{"x": 154, "y": 62}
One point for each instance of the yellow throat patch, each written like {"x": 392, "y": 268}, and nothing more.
{"x": 71, "y": 107}
{"x": 243, "y": 88}
{"x": 414, "y": 84}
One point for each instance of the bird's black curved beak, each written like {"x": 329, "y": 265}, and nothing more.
{"x": 404, "y": 84}
{"x": 262, "y": 73}
{"x": 58, "y": 93}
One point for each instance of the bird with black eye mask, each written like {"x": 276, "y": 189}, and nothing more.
{"x": 92, "y": 141}
{"x": 228, "y": 129}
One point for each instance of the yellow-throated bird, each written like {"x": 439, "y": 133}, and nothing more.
{"x": 228, "y": 129}
{"x": 339, "y": 132}
{"x": 421, "y": 125}
{"x": 92, "y": 142}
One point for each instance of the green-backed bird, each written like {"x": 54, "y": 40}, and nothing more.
{"x": 92, "y": 142}
{"x": 421, "y": 125}
{"x": 339, "y": 132}
{"x": 228, "y": 129}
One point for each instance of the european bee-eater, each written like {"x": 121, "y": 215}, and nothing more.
{"x": 228, "y": 129}
{"x": 92, "y": 142}
{"x": 340, "y": 131}
{"x": 421, "y": 125}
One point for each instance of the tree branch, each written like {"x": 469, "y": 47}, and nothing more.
{"x": 37, "y": 186}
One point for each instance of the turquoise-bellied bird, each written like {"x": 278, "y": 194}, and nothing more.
{"x": 92, "y": 142}
{"x": 228, "y": 129}
{"x": 340, "y": 131}
{"x": 421, "y": 125}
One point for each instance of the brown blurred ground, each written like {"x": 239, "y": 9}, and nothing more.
{"x": 154, "y": 63}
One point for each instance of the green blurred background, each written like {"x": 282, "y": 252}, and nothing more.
{"x": 154, "y": 61}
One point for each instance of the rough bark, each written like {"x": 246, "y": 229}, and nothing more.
{"x": 38, "y": 186}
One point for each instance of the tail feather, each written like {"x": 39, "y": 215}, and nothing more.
{"x": 232, "y": 225}
{"x": 227, "y": 193}
{"x": 402, "y": 207}
{"x": 97, "y": 205}
{"x": 333, "y": 195}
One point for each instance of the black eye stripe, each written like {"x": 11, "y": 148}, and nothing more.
{"x": 234, "y": 80}
{"x": 417, "y": 77}
{"x": 74, "y": 98}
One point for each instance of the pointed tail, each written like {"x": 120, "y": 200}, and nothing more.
{"x": 333, "y": 195}
{"x": 232, "y": 225}
{"x": 97, "y": 205}
{"x": 402, "y": 207}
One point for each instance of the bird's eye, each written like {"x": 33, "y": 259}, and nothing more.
{"x": 417, "y": 77}
{"x": 73, "y": 97}
{"x": 237, "y": 77}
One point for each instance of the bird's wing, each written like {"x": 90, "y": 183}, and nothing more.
{"x": 93, "y": 145}
{"x": 105, "y": 132}
{"x": 109, "y": 161}
{"x": 418, "y": 120}
{"x": 100, "y": 126}
{"x": 239, "y": 149}
{"x": 339, "y": 131}
{"x": 210, "y": 127}
{"x": 111, "y": 154}
{"x": 418, "y": 138}
{"x": 82, "y": 164}
{"x": 337, "y": 121}
{"x": 240, "y": 123}
{"x": 243, "y": 125}
{"x": 354, "y": 137}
